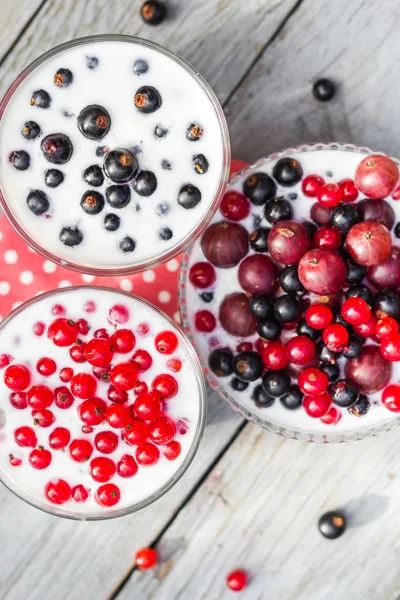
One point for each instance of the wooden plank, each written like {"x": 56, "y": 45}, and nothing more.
{"x": 259, "y": 509}
{"x": 14, "y": 17}
{"x": 355, "y": 44}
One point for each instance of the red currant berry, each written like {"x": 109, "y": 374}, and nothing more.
{"x": 330, "y": 195}
{"x": 59, "y": 438}
{"x": 43, "y": 418}
{"x": 260, "y": 345}
{"x": 237, "y": 580}
{"x": 124, "y": 376}
{"x": 127, "y": 466}
{"x": 313, "y": 382}
{"x": 140, "y": 387}
{"x": 147, "y": 454}
{"x": 90, "y": 306}
{"x": 205, "y": 321}
{"x": 335, "y": 336}
{"x": 87, "y": 429}
{"x": 166, "y": 342}
{"x": 102, "y": 469}
{"x": 66, "y": 374}
{"x": 77, "y": 353}
{"x": 317, "y": 406}
{"x": 118, "y": 416}
{"x": 367, "y": 329}
{"x": 116, "y": 395}
{"x": 102, "y": 334}
{"x": 92, "y": 411}
{"x": 58, "y": 310}
{"x": 166, "y": 385}
{"x": 202, "y": 275}
{"x": 106, "y": 441}
{"x": 39, "y": 397}
{"x": 17, "y": 378}
{"x": 39, "y": 328}
{"x": 146, "y": 558}
{"x": 102, "y": 373}
{"x": 57, "y": 492}
{"x": 46, "y": 366}
{"x": 5, "y": 360}
{"x": 14, "y": 461}
{"x": 147, "y": 406}
{"x": 235, "y": 206}
{"x": 162, "y": 431}
{"x": 25, "y": 437}
{"x": 123, "y": 341}
{"x": 391, "y": 397}
{"x": 63, "y": 397}
{"x": 385, "y": 328}
{"x": 311, "y": 185}
{"x": 118, "y": 314}
{"x": 83, "y": 386}
{"x": 355, "y": 311}
{"x": 349, "y": 190}
{"x": 108, "y": 495}
{"x": 172, "y": 450}
{"x": 327, "y": 237}
{"x": 142, "y": 329}
{"x": 83, "y": 326}
{"x": 275, "y": 356}
{"x": 98, "y": 352}
{"x": 18, "y": 400}
{"x": 174, "y": 364}
{"x": 136, "y": 432}
{"x": 318, "y": 316}
{"x": 79, "y": 493}
{"x": 62, "y": 332}
{"x": 244, "y": 347}
{"x": 300, "y": 349}
{"x": 40, "y": 458}
{"x": 80, "y": 450}
{"x": 142, "y": 360}
{"x": 332, "y": 417}
{"x": 390, "y": 348}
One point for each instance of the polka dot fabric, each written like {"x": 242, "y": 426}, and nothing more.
{"x": 24, "y": 274}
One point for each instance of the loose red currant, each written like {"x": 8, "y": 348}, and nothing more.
{"x": 17, "y": 378}
{"x": 313, "y": 382}
{"x": 83, "y": 386}
{"x": 142, "y": 329}
{"x": 98, "y": 352}
{"x": 300, "y": 349}
{"x": 108, "y": 495}
{"x": 25, "y": 437}
{"x": 40, "y": 458}
{"x": 83, "y": 326}
{"x": 14, "y": 461}
{"x": 142, "y": 360}
{"x": 317, "y": 406}
{"x": 335, "y": 337}
{"x": 5, "y": 360}
{"x": 349, "y": 190}
{"x": 202, "y": 275}
{"x": 327, "y": 237}
{"x": 147, "y": 406}
{"x": 77, "y": 353}
{"x": 80, "y": 450}
{"x": 102, "y": 469}
{"x": 87, "y": 429}
{"x": 92, "y": 411}
{"x": 39, "y": 396}
{"x": 311, "y": 185}
{"x": 166, "y": 385}
{"x": 46, "y": 366}
{"x": 390, "y": 348}
{"x": 39, "y": 328}
{"x": 237, "y": 580}
{"x": 330, "y": 195}
{"x": 18, "y": 400}
{"x": 260, "y": 345}
{"x": 127, "y": 466}
{"x": 124, "y": 376}
{"x": 118, "y": 314}
{"x": 391, "y": 397}
{"x": 162, "y": 431}
{"x": 275, "y": 356}
{"x": 102, "y": 334}
{"x": 355, "y": 311}
{"x": 332, "y": 417}
{"x": 318, "y": 316}
{"x": 102, "y": 373}
{"x": 58, "y": 310}
{"x": 118, "y": 415}
{"x": 385, "y": 328}
{"x": 90, "y": 306}
{"x": 116, "y": 395}
{"x": 59, "y": 438}
{"x": 235, "y": 206}
{"x": 147, "y": 454}
{"x": 66, "y": 374}
{"x": 205, "y": 321}
{"x": 367, "y": 329}
{"x": 106, "y": 441}
{"x": 62, "y": 332}
{"x": 63, "y": 397}
{"x": 244, "y": 346}
{"x": 79, "y": 493}
{"x": 146, "y": 558}
{"x": 43, "y": 418}
{"x": 172, "y": 450}
{"x": 166, "y": 342}
{"x": 57, "y": 491}
{"x": 140, "y": 388}
{"x": 174, "y": 364}
{"x": 136, "y": 432}
{"x": 123, "y": 341}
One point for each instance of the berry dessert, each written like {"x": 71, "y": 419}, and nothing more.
{"x": 292, "y": 294}
{"x": 101, "y": 403}
{"x": 114, "y": 154}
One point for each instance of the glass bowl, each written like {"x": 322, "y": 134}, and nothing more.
{"x": 187, "y": 306}
{"x": 17, "y": 330}
{"x": 136, "y": 133}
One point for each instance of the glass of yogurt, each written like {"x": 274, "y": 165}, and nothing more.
{"x": 102, "y": 403}
{"x": 114, "y": 154}
{"x": 247, "y": 284}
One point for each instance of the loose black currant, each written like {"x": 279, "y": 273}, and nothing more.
{"x": 293, "y": 399}
{"x": 344, "y": 216}
{"x": 92, "y": 62}
{"x": 353, "y": 347}
{"x": 276, "y": 383}
{"x": 360, "y": 291}
{"x": 30, "y": 130}
{"x": 332, "y": 525}
{"x": 258, "y": 188}
{"x": 194, "y": 132}
{"x": 160, "y": 132}
{"x": 344, "y": 393}
{"x": 153, "y": 12}
{"x": 189, "y": 196}
{"x": 147, "y": 99}
{"x": 120, "y": 165}
{"x": 94, "y": 122}
{"x": 94, "y": 176}
{"x": 111, "y": 222}
{"x": 261, "y": 398}
{"x": 20, "y": 159}
{"x": 261, "y": 307}
{"x": 220, "y": 362}
{"x": 118, "y": 196}
{"x": 127, "y": 244}
{"x": 238, "y": 384}
{"x": 397, "y": 230}
{"x": 355, "y": 272}
{"x": 289, "y": 280}
{"x": 248, "y": 365}
{"x": 287, "y": 308}
{"x": 269, "y": 329}
{"x": 57, "y": 148}
{"x": 92, "y": 202}
{"x": 278, "y": 209}
{"x": 303, "y": 328}
{"x": 323, "y": 89}
{"x": 165, "y": 233}
{"x": 200, "y": 164}
{"x": 38, "y": 202}
{"x": 331, "y": 370}
{"x": 361, "y": 407}
{"x": 53, "y": 177}
{"x": 41, "y": 99}
{"x": 145, "y": 183}
{"x": 259, "y": 239}
{"x": 63, "y": 78}
{"x": 140, "y": 66}
{"x": 387, "y": 304}
{"x": 207, "y": 296}
{"x": 71, "y": 236}
{"x": 287, "y": 171}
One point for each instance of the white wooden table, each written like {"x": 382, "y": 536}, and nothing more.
{"x": 250, "y": 499}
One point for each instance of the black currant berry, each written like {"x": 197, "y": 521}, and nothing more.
{"x": 153, "y": 12}
{"x": 207, "y": 297}
{"x": 145, "y": 183}
{"x": 238, "y": 384}
{"x": 200, "y": 164}
{"x": 360, "y": 291}
{"x": 340, "y": 321}
{"x": 20, "y": 159}
{"x": 344, "y": 216}
{"x": 53, "y": 177}
{"x": 248, "y": 365}
{"x": 276, "y": 383}
{"x": 260, "y": 398}
{"x": 344, "y": 393}
{"x": 323, "y": 89}
{"x": 120, "y": 165}
{"x": 30, "y": 130}
{"x": 92, "y": 202}
{"x": 303, "y": 328}
{"x": 93, "y": 175}
{"x": 140, "y": 66}
{"x": 287, "y": 171}
{"x": 361, "y": 407}
{"x": 353, "y": 347}
{"x": 220, "y": 362}
{"x": 92, "y": 62}
{"x": 261, "y": 307}
{"x": 194, "y": 132}
{"x": 293, "y": 399}
{"x": 94, "y": 122}
{"x": 118, "y": 196}
{"x": 332, "y": 525}
{"x": 269, "y": 329}
{"x": 41, "y": 99}
{"x": 63, "y": 78}
{"x": 259, "y": 239}
{"x": 289, "y": 280}
{"x": 355, "y": 272}
{"x": 387, "y": 303}
{"x": 331, "y": 370}
{"x": 160, "y": 132}
{"x": 258, "y": 188}
{"x": 38, "y": 202}
{"x": 311, "y": 227}
{"x": 111, "y": 222}
{"x": 278, "y": 209}
{"x": 287, "y": 308}
{"x": 147, "y": 99}
{"x": 127, "y": 244}
{"x": 189, "y": 196}
{"x": 71, "y": 236}
{"x": 165, "y": 233}
{"x": 56, "y": 148}
{"x": 326, "y": 355}
{"x": 397, "y": 230}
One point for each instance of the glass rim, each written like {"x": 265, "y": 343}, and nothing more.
{"x": 57, "y": 510}
{"x": 293, "y": 433}
{"x": 200, "y": 227}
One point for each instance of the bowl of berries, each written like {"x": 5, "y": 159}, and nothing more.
{"x": 291, "y": 296}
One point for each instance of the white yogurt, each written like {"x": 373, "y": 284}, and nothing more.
{"x": 113, "y": 85}
{"x": 333, "y": 166}
{"x": 17, "y": 338}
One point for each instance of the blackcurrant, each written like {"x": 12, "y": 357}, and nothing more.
{"x": 258, "y": 188}
{"x": 287, "y": 171}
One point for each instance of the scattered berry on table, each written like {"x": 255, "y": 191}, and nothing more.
{"x": 236, "y": 580}
{"x": 323, "y": 89}
{"x": 332, "y": 525}
{"x": 153, "y": 12}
